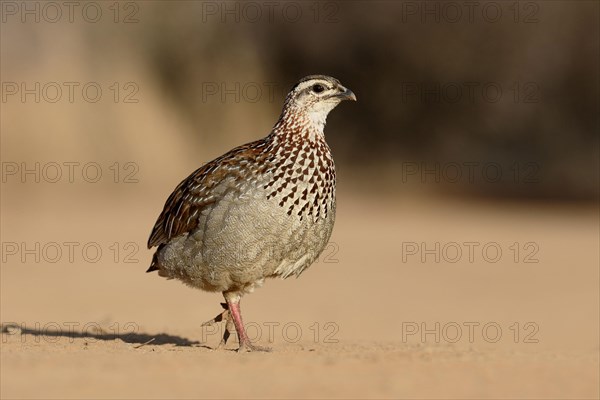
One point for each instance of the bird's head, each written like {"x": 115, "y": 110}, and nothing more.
{"x": 315, "y": 96}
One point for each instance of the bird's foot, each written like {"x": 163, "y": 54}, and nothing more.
{"x": 229, "y": 325}
{"x": 248, "y": 347}
{"x": 233, "y": 323}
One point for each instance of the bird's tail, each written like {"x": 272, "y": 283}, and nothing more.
{"x": 154, "y": 265}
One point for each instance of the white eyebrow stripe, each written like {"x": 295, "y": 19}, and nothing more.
{"x": 312, "y": 82}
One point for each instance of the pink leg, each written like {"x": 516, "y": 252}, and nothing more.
{"x": 236, "y": 313}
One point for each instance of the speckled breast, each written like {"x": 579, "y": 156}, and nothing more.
{"x": 275, "y": 224}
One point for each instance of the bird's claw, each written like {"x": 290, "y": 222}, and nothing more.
{"x": 246, "y": 347}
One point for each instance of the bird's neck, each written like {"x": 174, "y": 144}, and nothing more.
{"x": 296, "y": 124}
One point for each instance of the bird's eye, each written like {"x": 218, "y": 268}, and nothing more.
{"x": 318, "y": 88}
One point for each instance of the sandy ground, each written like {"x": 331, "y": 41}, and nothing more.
{"x": 378, "y": 316}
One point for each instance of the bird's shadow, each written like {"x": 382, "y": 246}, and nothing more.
{"x": 133, "y": 337}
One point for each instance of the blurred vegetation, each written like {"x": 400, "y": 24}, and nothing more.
{"x": 545, "y": 60}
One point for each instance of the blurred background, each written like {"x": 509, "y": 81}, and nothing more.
{"x": 513, "y": 86}
{"x": 475, "y": 121}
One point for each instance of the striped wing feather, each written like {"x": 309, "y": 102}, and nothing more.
{"x": 184, "y": 205}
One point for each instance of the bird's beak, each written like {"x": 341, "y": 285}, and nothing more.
{"x": 345, "y": 94}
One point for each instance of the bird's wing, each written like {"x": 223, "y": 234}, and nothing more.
{"x": 184, "y": 205}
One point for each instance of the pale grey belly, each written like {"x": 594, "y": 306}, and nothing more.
{"x": 243, "y": 239}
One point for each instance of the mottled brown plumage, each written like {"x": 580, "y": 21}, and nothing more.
{"x": 264, "y": 209}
